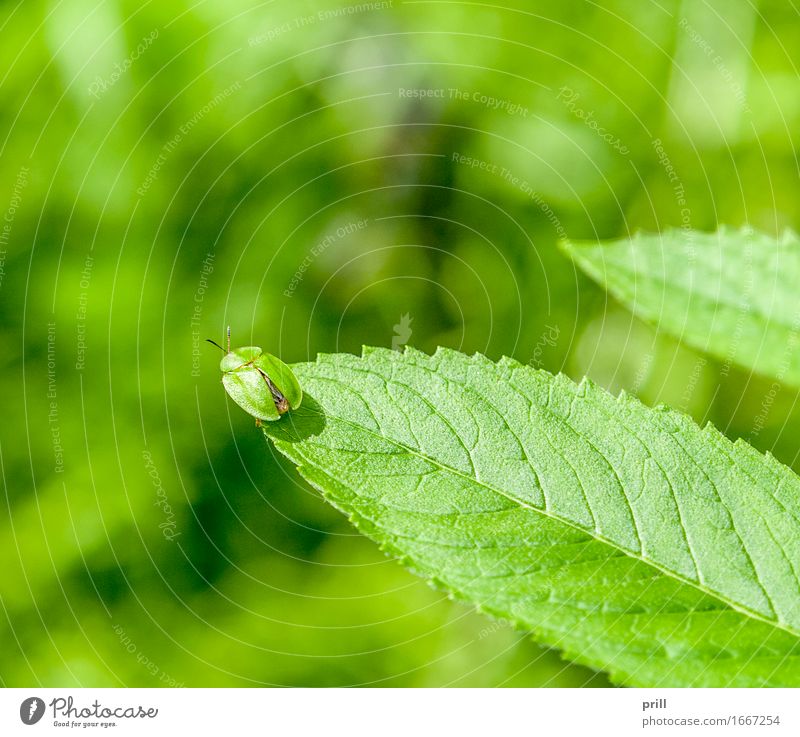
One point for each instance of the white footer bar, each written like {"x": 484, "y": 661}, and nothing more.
{"x": 401, "y": 712}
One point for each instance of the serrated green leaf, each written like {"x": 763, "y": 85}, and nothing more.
{"x": 628, "y": 537}
{"x": 733, "y": 294}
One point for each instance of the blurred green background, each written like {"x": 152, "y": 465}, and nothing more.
{"x": 321, "y": 176}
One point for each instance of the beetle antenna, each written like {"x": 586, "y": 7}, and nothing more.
{"x": 229, "y": 338}
{"x": 214, "y": 342}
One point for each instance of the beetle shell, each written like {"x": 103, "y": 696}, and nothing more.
{"x": 261, "y": 384}
{"x": 238, "y": 357}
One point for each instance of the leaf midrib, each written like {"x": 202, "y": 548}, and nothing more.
{"x": 546, "y": 513}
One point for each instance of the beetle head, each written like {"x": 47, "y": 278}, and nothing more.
{"x": 239, "y": 357}
{"x": 235, "y": 359}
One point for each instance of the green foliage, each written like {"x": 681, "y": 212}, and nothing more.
{"x": 731, "y": 293}
{"x": 628, "y": 537}
{"x": 245, "y": 167}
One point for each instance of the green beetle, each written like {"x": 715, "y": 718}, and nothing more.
{"x": 262, "y": 385}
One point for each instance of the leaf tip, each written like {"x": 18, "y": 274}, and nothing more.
{"x": 565, "y": 246}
